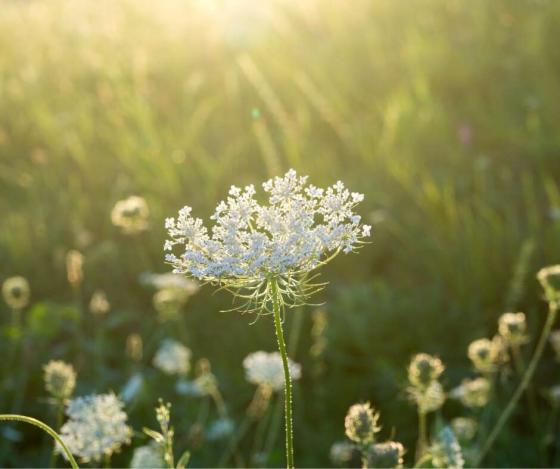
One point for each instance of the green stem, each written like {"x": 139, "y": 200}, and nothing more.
{"x": 59, "y": 415}
{"x": 422, "y": 435}
{"x": 45, "y": 428}
{"x": 529, "y": 372}
{"x": 276, "y": 302}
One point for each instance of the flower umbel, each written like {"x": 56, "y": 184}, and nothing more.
{"x": 265, "y": 369}
{"x": 96, "y": 427}
{"x": 301, "y": 228}
{"x": 173, "y": 358}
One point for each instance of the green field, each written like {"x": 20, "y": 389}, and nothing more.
{"x": 445, "y": 114}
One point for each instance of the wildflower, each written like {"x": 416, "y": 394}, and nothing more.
{"x": 169, "y": 302}
{"x": 424, "y": 369}
{"x": 172, "y": 358}
{"x": 446, "y": 451}
{"x": 74, "y": 267}
{"x": 485, "y": 354}
{"x": 99, "y": 305}
{"x": 131, "y": 214}
{"x": 252, "y": 243}
{"x": 96, "y": 427}
{"x": 60, "y": 379}
{"x": 361, "y": 423}
{"x": 428, "y": 399}
{"x": 16, "y": 292}
{"x": 341, "y": 453}
{"x": 220, "y": 429}
{"x": 147, "y": 457}
{"x": 464, "y": 428}
{"x": 473, "y": 392}
{"x": 170, "y": 281}
{"x": 513, "y": 328}
{"x": 387, "y": 454}
{"x": 549, "y": 278}
{"x": 134, "y": 347}
{"x": 265, "y": 369}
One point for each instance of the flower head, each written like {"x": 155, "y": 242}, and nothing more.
{"x": 220, "y": 429}
{"x": 60, "y": 379}
{"x": 361, "y": 423}
{"x": 170, "y": 281}
{"x": 424, "y": 369}
{"x": 513, "y": 328}
{"x": 99, "y": 304}
{"x": 16, "y": 292}
{"x": 341, "y": 453}
{"x": 485, "y": 354}
{"x": 446, "y": 451}
{"x": 131, "y": 214}
{"x": 249, "y": 243}
{"x": 147, "y": 457}
{"x": 549, "y": 278}
{"x": 173, "y": 358}
{"x": 465, "y": 428}
{"x": 473, "y": 392}
{"x": 266, "y": 369}
{"x": 386, "y": 454}
{"x": 428, "y": 399}
{"x": 96, "y": 427}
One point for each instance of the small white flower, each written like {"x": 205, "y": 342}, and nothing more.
{"x": 60, "y": 379}
{"x": 446, "y": 451}
{"x": 16, "y": 292}
{"x": 169, "y": 281}
{"x": 173, "y": 358}
{"x": 96, "y": 427}
{"x": 266, "y": 369}
{"x": 473, "y": 392}
{"x": 147, "y": 457}
{"x": 361, "y": 423}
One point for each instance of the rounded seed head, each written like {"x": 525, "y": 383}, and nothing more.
{"x": 361, "y": 423}
{"x": 131, "y": 215}
{"x": 473, "y": 392}
{"x": 513, "y": 328}
{"x": 387, "y": 454}
{"x": 16, "y": 292}
{"x": 485, "y": 354}
{"x": 60, "y": 379}
{"x": 424, "y": 369}
{"x": 464, "y": 428}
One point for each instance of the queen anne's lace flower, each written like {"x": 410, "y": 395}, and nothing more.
{"x": 96, "y": 427}
{"x": 249, "y": 243}
{"x": 265, "y": 369}
{"x": 170, "y": 281}
{"x": 173, "y": 358}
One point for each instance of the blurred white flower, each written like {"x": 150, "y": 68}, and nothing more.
{"x": 220, "y": 429}
{"x": 266, "y": 369}
{"x": 249, "y": 243}
{"x": 131, "y": 214}
{"x": 341, "y": 453}
{"x": 99, "y": 304}
{"x": 428, "y": 399}
{"x": 96, "y": 427}
{"x": 465, "y": 428}
{"x": 485, "y": 354}
{"x": 473, "y": 392}
{"x": 513, "y": 328}
{"x": 147, "y": 457}
{"x": 173, "y": 358}
{"x": 60, "y": 379}
{"x": 446, "y": 451}
{"x": 170, "y": 281}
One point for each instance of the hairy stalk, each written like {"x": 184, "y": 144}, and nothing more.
{"x": 45, "y": 428}
{"x": 529, "y": 372}
{"x": 276, "y": 303}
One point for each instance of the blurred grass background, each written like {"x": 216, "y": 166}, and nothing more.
{"x": 443, "y": 112}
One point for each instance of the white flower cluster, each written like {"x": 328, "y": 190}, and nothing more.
{"x": 173, "y": 358}
{"x": 266, "y": 369}
{"x": 96, "y": 426}
{"x": 170, "y": 281}
{"x": 293, "y": 233}
{"x": 60, "y": 379}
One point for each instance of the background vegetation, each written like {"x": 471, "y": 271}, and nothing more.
{"x": 443, "y": 112}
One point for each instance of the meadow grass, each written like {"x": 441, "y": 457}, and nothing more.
{"x": 443, "y": 113}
